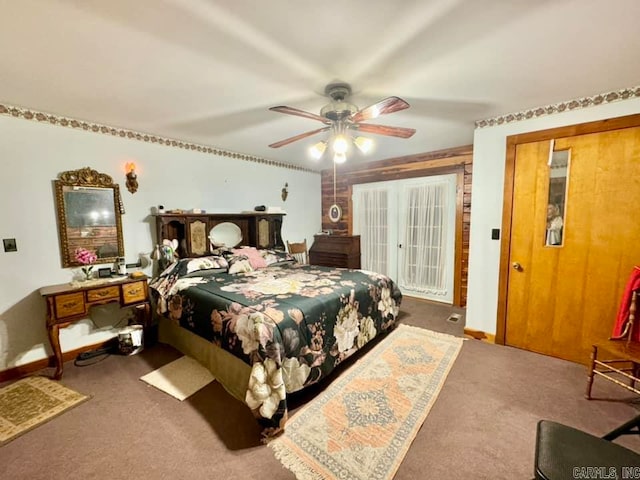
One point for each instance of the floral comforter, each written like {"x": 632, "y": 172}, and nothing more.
{"x": 293, "y": 324}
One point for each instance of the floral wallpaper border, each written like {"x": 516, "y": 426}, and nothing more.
{"x": 584, "y": 102}
{"x": 29, "y": 114}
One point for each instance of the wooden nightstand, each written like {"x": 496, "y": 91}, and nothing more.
{"x": 67, "y": 303}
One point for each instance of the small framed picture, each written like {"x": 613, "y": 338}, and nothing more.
{"x": 335, "y": 212}
{"x": 104, "y": 272}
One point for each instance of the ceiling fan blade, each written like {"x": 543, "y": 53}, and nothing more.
{"x": 299, "y": 113}
{"x": 385, "y": 130}
{"x": 287, "y": 141}
{"x": 383, "y": 107}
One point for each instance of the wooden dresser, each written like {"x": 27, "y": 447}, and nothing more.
{"x": 67, "y": 303}
{"x": 335, "y": 251}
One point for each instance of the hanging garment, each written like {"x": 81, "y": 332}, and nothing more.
{"x": 623, "y": 311}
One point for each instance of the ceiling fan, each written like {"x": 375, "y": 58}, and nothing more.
{"x": 340, "y": 117}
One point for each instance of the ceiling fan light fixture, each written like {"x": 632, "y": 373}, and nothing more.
{"x": 364, "y": 144}
{"x": 318, "y": 149}
{"x": 340, "y": 144}
{"x": 339, "y": 157}
{"x": 341, "y": 118}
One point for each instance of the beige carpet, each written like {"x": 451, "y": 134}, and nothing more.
{"x": 180, "y": 379}
{"x": 363, "y": 424}
{"x": 32, "y": 401}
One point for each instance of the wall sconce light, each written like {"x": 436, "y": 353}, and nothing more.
{"x": 285, "y": 192}
{"x": 132, "y": 178}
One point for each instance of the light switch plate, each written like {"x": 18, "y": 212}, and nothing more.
{"x": 10, "y": 245}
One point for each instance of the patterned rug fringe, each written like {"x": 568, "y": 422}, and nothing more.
{"x": 432, "y": 333}
{"x": 293, "y": 463}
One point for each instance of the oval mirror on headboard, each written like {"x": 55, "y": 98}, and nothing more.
{"x": 225, "y": 234}
{"x": 89, "y": 206}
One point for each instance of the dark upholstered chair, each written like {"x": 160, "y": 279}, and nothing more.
{"x": 564, "y": 452}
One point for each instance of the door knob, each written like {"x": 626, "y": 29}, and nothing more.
{"x": 516, "y": 266}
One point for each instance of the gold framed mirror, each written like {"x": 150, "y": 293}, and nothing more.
{"x": 89, "y": 209}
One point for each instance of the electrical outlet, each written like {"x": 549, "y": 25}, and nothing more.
{"x": 10, "y": 245}
{"x": 454, "y": 318}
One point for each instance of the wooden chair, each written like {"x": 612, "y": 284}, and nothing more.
{"x": 299, "y": 251}
{"x": 622, "y": 351}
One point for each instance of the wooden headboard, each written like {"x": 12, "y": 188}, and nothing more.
{"x": 259, "y": 229}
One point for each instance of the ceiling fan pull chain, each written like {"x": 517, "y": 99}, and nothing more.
{"x": 334, "y": 182}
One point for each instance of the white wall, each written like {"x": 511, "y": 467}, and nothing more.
{"x": 32, "y": 156}
{"x": 489, "y": 151}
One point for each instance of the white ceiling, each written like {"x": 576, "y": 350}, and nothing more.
{"x": 207, "y": 71}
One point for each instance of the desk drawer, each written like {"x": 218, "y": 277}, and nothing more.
{"x": 134, "y": 292}
{"x": 105, "y": 293}
{"x": 70, "y": 304}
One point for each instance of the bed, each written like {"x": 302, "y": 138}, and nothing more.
{"x": 267, "y": 326}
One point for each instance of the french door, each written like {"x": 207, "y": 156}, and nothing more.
{"x": 407, "y": 231}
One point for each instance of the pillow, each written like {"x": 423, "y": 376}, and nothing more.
{"x": 195, "y": 265}
{"x": 222, "y": 252}
{"x": 253, "y": 255}
{"x": 192, "y": 267}
{"x": 277, "y": 257}
{"x": 240, "y": 265}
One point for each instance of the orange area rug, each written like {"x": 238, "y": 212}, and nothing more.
{"x": 361, "y": 426}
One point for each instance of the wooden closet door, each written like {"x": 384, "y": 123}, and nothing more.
{"x": 563, "y": 299}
